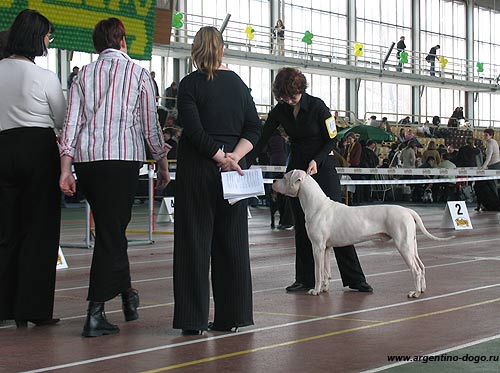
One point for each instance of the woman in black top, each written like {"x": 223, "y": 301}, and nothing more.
{"x": 304, "y": 119}
{"x": 221, "y": 126}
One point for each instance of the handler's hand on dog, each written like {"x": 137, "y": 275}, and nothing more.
{"x": 312, "y": 168}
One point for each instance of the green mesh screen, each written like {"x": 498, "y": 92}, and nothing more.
{"x": 75, "y": 19}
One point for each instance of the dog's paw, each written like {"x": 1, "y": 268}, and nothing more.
{"x": 325, "y": 288}
{"x": 414, "y": 294}
{"x": 313, "y": 292}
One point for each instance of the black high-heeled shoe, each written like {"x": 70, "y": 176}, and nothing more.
{"x": 130, "y": 303}
{"x": 191, "y": 332}
{"x": 212, "y": 326}
{"x": 38, "y": 322}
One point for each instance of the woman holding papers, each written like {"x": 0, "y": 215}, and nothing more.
{"x": 310, "y": 127}
{"x": 220, "y": 126}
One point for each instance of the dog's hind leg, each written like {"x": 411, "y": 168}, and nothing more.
{"x": 423, "y": 285}
{"x": 408, "y": 252}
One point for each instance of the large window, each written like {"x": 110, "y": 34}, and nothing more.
{"x": 443, "y": 22}
{"x": 384, "y": 99}
{"x": 379, "y": 23}
{"x": 487, "y": 51}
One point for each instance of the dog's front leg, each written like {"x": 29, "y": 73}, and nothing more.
{"x": 325, "y": 286}
{"x": 319, "y": 259}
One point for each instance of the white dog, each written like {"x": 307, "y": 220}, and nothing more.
{"x": 331, "y": 224}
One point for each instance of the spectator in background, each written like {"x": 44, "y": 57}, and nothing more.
{"x": 492, "y": 159}
{"x": 279, "y": 38}
{"x": 32, "y": 104}
{"x": 431, "y": 58}
{"x": 170, "y": 99}
{"x": 409, "y": 135}
{"x": 405, "y": 120}
{"x": 432, "y": 151}
{"x": 369, "y": 159}
{"x": 72, "y": 76}
{"x": 395, "y": 160}
{"x": 401, "y": 46}
{"x": 456, "y": 117}
{"x": 436, "y": 121}
{"x": 402, "y": 134}
{"x": 168, "y": 104}
{"x": 452, "y": 152}
{"x": 353, "y": 158}
{"x": 409, "y": 155}
{"x": 385, "y": 125}
{"x": 418, "y": 189}
{"x": 372, "y": 121}
{"x": 442, "y": 149}
{"x": 277, "y": 151}
{"x": 467, "y": 154}
{"x": 425, "y": 130}
{"x": 157, "y": 92}
{"x": 109, "y": 174}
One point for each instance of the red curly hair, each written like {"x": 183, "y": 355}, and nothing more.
{"x": 289, "y": 82}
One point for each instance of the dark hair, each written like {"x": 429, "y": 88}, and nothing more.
{"x": 4, "y": 35}
{"x": 370, "y": 142}
{"x": 430, "y": 158}
{"x": 289, "y": 82}
{"x": 108, "y": 33}
{"x": 447, "y": 156}
{"x": 489, "y": 131}
{"x": 27, "y": 33}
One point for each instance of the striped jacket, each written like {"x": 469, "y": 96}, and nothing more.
{"x": 112, "y": 112}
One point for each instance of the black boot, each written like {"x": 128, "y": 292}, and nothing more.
{"x": 96, "y": 323}
{"x": 130, "y": 302}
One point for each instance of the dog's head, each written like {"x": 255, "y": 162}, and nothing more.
{"x": 290, "y": 184}
{"x": 427, "y": 196}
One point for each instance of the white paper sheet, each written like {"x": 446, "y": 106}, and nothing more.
{"x": 237, "y": 187}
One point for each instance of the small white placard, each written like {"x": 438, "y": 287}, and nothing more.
{"x": 456, "y": 216}
{"x": 166, "y": 212}
{"x": 61, "y": 260}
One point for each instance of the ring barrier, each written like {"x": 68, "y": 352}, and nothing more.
{"x": 461, "y": 174}
{"x": 89, "y": 231}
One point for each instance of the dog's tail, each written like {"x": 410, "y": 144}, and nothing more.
{"x": 424, "y": 230}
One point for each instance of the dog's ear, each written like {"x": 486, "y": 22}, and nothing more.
{"x": 297, "y": 176}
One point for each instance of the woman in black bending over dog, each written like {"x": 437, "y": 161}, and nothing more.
{"x": 305, "y": 120}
